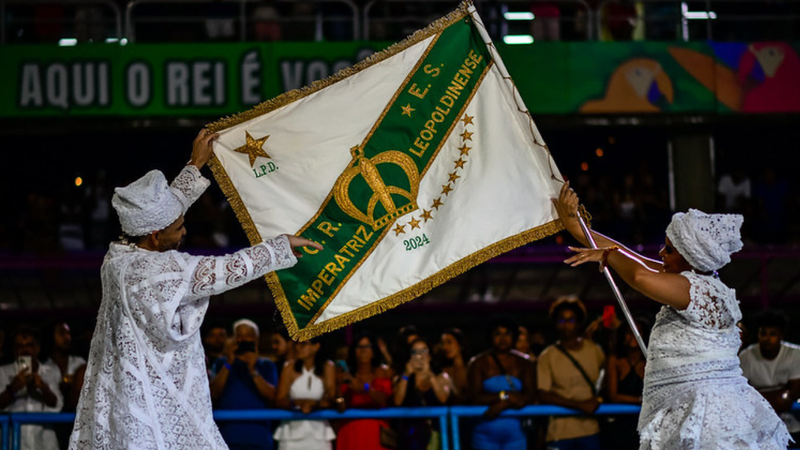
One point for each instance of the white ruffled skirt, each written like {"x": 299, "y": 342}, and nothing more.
{"x": 721, "y": 413}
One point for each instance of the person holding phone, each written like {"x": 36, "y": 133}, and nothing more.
{"x": 420, "y": 385}
{"x": 30, "y": 387}
{"x": 243, "y": 380}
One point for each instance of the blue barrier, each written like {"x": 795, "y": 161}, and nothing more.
{"x": 4, "y": 419}
{"x": 528, "y": 411}
{"x": 12, "y": 422}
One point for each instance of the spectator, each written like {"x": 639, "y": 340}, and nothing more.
{"x": 734, "y": 192}
{"x": 454, "y": 365}
{"x": 401, "y": 346}
{"x": 625, "y": 374}
{"x": 366, "y": 384}
{"x": 30, "y": 387}
{"x": 306, "y": 383}
{"x": 280, "y": 348}
{"x": 70, "y": 369}
{"x": 420, "y": 385}
{"x": 546, "y": 24}
{"x": 266, "y": 24}
{"x": 772, "y": 366}
{"x": 214, "y": 340}
{"x": 501, "y": 378}
{"x": 242, "y": 380}
{"x": 568, "y": 372}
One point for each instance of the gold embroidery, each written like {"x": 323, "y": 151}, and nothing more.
{"x": 467, "y": 120}
{"x": 253, "y": 148}
{"x": 453, "y": 177}
{"x": 399, "y": 229}
{"x": 466, "y": 135}
{"x": 426, "y": 214}
{"x": 407, "y": 110}
{"x": 460, "y": 163}
{"x": 414, "y": 223}
{"x": 446, "y": 189}
{"x": 464, "y": 149}
{"x": 366, "y": 167}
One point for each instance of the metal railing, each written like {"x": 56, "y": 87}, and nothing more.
{"x": 110, "y": 4}
{"x": 243, "y": 18}
{"x": 443, "y": 413}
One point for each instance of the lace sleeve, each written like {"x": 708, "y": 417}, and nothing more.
{"x": 189, "y": 185}
{"x": 215, "y": 275}
{"x": 709, "y": 302}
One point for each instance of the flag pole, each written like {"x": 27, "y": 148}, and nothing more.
{"x": 607, "y": 272}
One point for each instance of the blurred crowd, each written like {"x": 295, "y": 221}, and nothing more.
{"x": 303, "y": 20}
{"x": 578, "y": 361}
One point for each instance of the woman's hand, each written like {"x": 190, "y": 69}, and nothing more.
{"x": 584, "y": 255}
{"x": 567, "y": 206}
{"x": 296, "y": 242}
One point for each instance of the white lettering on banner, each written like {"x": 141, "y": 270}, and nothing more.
{"x": 177, "y": 84}
{"x": 31, "y": 90}
{"x": 250, "y": 77}
{"x": 196, "y": 83}
{"x": 57, "y": 90}
{"x": 292, "y": 70}
{"x": 137, "y": 87}
{"x": 64, "y": 85}
{"x": 83, "y": 83}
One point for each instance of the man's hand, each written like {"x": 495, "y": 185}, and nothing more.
{"x": 589, "y": 406}
{"x": 201, "y": 149}
{"x": 296, "y": 242}
{"x": 19, "y": 381}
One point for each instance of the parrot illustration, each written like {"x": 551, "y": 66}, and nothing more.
{"x": 637, "y": 85}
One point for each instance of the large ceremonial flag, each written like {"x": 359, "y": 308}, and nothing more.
{"x": 410, "y": 167}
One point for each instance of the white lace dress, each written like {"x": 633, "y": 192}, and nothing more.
{"x": 695, "y": 397}
{"x": 146, "y": 385}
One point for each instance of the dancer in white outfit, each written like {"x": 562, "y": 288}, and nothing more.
{"x": 306, "y": 383}
{"x": 695, "y": 397}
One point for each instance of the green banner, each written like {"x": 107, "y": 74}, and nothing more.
{"x": 211, "y": 80}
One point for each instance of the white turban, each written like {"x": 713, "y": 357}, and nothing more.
{"x": 706, "y": 241}
{"x": 146, "y": 205}
{"x": 247, "y": 322}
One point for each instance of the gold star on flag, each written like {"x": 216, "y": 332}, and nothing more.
{"x": 466, "y": 135}
{"x": 467, "y": 119}
{"x": 407, "y": 110}
{"x": 460, "y": 163}
{"x": 253, "y": 148}
{"x": 446, "y": 189}
{"x": 399, "y": 229}
{"x": 414, "y": 223}
{"x": 464, "y": 149}
{"x": 436, "y": 203}
{"x": 426, "y": 215}
{"x": 453, "y": 177}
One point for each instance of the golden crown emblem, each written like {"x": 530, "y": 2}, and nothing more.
{"x": 381, "y": 193}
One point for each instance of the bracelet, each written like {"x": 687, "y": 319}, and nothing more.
{"x": 404, "y": 377}
{"x": 227, "y": 366}
{"x": 604, "y": 261}
{"x": 503, "y": 395}
{"x": 366, "y": 387}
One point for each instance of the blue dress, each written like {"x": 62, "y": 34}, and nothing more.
{"x": 503, "y": 433}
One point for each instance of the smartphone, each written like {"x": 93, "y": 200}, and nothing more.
{"x": 608, "y": 316}
{"x": 24, "y": 364}
{"x": 245, "y": 347}
{"x": 342, "y": 365}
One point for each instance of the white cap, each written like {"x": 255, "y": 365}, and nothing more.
{"x": 147, "y": 205}
{"x": 706, "y": 241}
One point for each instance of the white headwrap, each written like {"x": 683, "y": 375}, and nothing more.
{"x": 247, "y": 322}
{"x": 146, "y": 205}
{"x": 706, "y": 241}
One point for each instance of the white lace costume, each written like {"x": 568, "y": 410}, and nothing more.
{"x": 695, "y": 397}
{"x": 146, "y": 385}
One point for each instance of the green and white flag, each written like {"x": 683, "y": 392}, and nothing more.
{"x": 410, "y": 167}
